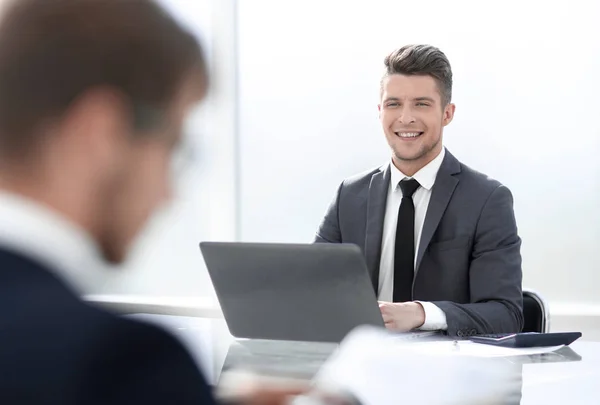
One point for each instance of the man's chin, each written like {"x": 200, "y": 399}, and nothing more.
{"x": 409, "y": 157}
{"x": 115, "y": 255}
{"x": 115, "y": 259}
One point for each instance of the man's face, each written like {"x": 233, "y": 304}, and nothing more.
{"x": 143, "y": 182}
{"x": 413, "y": 117}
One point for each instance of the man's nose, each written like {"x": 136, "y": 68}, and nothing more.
{"x": 406, "y": 116}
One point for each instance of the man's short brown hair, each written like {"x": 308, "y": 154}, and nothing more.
{"x": 422, "y": 60}
{"x": 53, "y": 51}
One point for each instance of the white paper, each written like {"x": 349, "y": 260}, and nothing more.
{"x": 468, "y": 348}
{"x": 379, "y": 370}
{"x": 482, "y": 350}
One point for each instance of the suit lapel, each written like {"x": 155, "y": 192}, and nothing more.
{"x": 378, "y": 190}
{"x": 441, "y": 193}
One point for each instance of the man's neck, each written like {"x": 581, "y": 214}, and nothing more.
{"x": 58, "y": 199}
{"x": 37, "y": 230}
{"x": 410, "y": 167}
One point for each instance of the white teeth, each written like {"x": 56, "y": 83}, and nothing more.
{"x": 408, "y": 134}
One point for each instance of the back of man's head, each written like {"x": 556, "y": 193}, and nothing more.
{"x": 93, "y": 97}
{"x": 53, "y": 51}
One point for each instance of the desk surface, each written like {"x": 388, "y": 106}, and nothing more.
{"x": 570, "y": 375}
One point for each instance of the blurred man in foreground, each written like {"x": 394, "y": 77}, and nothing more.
{"x": 93, "y": 96}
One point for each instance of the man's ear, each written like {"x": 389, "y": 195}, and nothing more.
{"x": 98, "y": 123}
{"x": 448, "y": 113}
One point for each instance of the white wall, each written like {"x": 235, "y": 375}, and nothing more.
{"x": 166, "y": 260}
{"x": 527, "y": 89}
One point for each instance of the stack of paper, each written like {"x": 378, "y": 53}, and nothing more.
{"x": 379, "y": 370}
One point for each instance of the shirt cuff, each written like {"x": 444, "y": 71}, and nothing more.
{"x": 435, "y": 318}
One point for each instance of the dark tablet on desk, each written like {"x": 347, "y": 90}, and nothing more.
{"x": 529, "y": 339}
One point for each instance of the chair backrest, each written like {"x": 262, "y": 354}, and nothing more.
{"x": 535, "y": 312}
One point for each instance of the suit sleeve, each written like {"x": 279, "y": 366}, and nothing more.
{"x": 329, "y": 229}
{"x": 142, "y": 364}
{"x": 495, "y": 274}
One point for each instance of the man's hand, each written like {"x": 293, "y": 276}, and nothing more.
{"x": 402, "y": 316}
{"x": 241, "y": 387}
{"x": 270, "y": 395}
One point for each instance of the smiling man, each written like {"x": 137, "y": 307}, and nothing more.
{"x": 439, "y": 238}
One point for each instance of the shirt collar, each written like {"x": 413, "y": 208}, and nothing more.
{"x": 426, "y": 176}
{"x": 33, "y": 230}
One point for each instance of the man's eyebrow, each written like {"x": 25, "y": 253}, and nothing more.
{"x": 425, "y": 99}
{"x": 422, "y": 98}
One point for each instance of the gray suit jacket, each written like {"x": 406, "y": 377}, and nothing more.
{"x": 469, "y": 260}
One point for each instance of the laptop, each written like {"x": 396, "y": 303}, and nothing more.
{"x": 292, "y": 292}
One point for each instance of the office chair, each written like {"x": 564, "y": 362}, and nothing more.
{"x": 536, "y": 315}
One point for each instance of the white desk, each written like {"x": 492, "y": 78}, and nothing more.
{"x": 202, "y": 307}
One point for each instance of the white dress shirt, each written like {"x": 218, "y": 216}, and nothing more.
{"x": 35, "y": 231}
{"x": 435, "y": 318}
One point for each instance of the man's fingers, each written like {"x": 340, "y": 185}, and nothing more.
{"x": 272, "y": 395}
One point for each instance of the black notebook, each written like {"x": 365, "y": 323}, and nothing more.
{"x": 529, "y": 339}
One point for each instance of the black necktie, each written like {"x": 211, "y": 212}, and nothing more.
{"x": 404, "y": 255}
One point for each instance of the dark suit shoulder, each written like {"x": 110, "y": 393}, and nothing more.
{"x": 481, "y": 182}
{"x": 363, "y": 179}
{"x": 134, "y": 362}
{"x": 71, "y": 350}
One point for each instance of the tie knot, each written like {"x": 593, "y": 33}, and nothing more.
{"x": 408, "y": 187}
